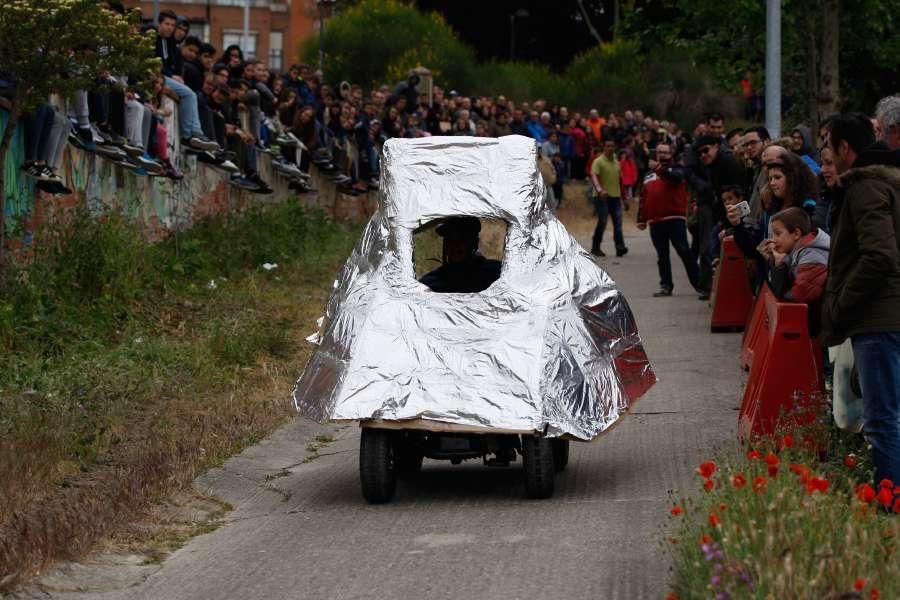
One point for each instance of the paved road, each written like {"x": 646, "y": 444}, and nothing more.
{"x": 301, "y": 530}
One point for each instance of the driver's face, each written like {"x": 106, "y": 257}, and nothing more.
{"x": 456, "y": 251}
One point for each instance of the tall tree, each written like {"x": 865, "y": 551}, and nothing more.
{"x": 61, "y": 46}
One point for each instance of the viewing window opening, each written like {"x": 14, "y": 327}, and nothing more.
{"x": 459, "y": 254}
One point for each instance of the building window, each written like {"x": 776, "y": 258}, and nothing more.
{"x": 276, "y": 52}
{"x": 236, "y": 37}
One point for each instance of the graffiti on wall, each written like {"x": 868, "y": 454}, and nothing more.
{"x": 159, "y": 204}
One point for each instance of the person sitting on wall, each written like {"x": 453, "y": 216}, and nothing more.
{"x": 464, "y": 269}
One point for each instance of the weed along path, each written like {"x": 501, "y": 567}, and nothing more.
{"x": 298, "y": 527}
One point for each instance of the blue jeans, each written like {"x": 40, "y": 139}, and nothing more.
{"x": 188, "y": 115}
{"x": 672, "y": 231}
{"x": 611, "y": 207}
{"x": 878, "y": 362}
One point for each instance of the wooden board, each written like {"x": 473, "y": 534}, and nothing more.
{"x": 438, "y": 426}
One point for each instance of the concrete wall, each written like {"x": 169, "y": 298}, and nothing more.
{"x": 158, "y": 204}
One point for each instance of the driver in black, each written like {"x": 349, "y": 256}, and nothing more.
{"x": 464, "y": 269}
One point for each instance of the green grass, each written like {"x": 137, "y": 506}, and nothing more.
{"x": 115, "y": 352}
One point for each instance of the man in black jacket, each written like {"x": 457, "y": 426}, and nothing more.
{"x": 716, "y": 170}
{"x": 862, "y": 293}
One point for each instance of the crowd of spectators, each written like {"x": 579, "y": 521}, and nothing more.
{"x": 818, "y": 222}
{"x": 226, "y": 111}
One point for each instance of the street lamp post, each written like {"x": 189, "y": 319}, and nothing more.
{"x": 519, "y": 14}
{"x": 245, "y": 37}
{"x": 325, "y": 7}
{"x": 773, "y": 67}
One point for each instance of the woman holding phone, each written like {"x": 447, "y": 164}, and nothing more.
{"x": 790, "y": 183}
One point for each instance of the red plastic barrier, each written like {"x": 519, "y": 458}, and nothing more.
{"x": 731, "y": 297}
{"x": 756, "y": 325}
{"x": 786, "y": 379}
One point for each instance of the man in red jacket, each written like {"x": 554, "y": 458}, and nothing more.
{"x": 663, "y": 206}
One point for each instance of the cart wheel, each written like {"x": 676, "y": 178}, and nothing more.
{"x": 377, "y": 470}
{"x": 537, "y": 460}
{"x": 560, "y": 454}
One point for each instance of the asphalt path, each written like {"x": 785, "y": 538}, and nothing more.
{"x": 300, "y": 529}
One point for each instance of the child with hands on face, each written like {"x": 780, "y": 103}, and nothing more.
{"x": 798, "y": 260}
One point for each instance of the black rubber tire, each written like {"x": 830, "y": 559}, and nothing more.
{"x": 560, "y": 454}
{"x": 377, "y": 466}
{"x": 537, "y": 462}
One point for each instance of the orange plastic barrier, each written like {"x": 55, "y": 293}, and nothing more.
{"x": 731, "y": 297}
{"x": 756, "y": 325}
{"x": 786, "y": 378}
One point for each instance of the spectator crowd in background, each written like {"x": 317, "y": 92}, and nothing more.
{"x": 224, "y": 110}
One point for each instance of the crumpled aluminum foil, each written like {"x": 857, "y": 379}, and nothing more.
{"x": 550, "y": 347}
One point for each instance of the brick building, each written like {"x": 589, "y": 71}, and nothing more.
{"x": 276, "y": 26}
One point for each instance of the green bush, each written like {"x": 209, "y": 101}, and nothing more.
{"x": 378, "y": 41}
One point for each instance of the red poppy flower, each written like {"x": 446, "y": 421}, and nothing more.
{"x": 671, "y": 596}
{"x": 885, "y": 496}
{"x": 850, "y": 461}
{"x": 714, "y": 519}
{"x": 676, "y": 510}
{"x": 708, "y": 485}
{"x": 773, "y": 470}
{"x": 722, "y": 506}
{"x": 738, "y": 480}
{"x": 874, "y": 594}
{"x": 706, "y": 469}
{"x": 772, "y": 459}
{"x": 817, "y": 484}
{"x": 859, "y": 584}
{"x": 706, "y": 539}
{"x": 896, "y": 507}
{"x": 787, "y": 441}
{"x": 865, "y": 492}
{"x": 753, "y": 455}
{"x": 886, "y": 484}
{"x": 759, "y": 484}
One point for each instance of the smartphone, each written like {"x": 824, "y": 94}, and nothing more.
{"x": 743, "y": 207}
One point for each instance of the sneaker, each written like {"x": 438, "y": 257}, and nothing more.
{"x": 207, "y": 157}
{"x": 83, "y": 137}
{"x": 34, "y": 170}
{"x": 108, "y": 134}
{"x": 662, "y": 292}
{"x": 132, "y": 150}
{"x": 50, "y": 174}
{"x": 153, "y": 167}
{"x": 243, "y": 183}
{"x": 171, "y": 172}
{"x": 622, "y": 252}
{"x": 261, "y": 148}
{"x": 704, "y": 295}
{"x": 227, "y": 165}
{"x": 261, "y": 186}
{"x": 113, "y": 153}
{"x": 598, "y": 252}
{"x": 201, "y": 143}
{"x": 301, "y": 187}
{"x": 53, "y": 187}
{"x": 130, "y": 166}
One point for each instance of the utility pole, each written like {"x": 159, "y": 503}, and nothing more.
{"x": 155, "y": 12}
{"x": 773, "y": 67}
